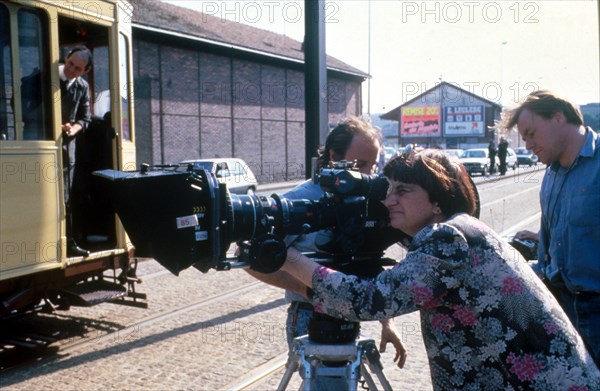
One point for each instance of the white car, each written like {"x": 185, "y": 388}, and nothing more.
{"x": 526, "y": 157}
{"x": 454, "y": 152}
{"x": 511, "y": 159}
{"x": 233, "y": 172}
{"x": 477, "y": 160}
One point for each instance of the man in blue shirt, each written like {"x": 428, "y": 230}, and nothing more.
{"x": 569, "y": 237}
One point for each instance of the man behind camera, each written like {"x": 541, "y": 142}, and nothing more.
{"x": 352, "y": 140}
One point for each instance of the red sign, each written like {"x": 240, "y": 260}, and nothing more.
{"x": 420, "y": 121}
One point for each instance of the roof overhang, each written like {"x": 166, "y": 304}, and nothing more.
{"x": 244, "y": 49}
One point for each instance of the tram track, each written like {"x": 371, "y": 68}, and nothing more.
{"x": 24, "y": 341}
{"x": 200, "y": 290}
{"x": 260, "y": 374}
{"x": 169, "y": 314}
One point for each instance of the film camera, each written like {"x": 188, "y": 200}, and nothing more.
{"x": 183, "y": 218}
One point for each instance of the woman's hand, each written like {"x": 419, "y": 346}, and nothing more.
{"x": 389, "y": 334}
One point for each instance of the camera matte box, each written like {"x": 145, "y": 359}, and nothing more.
{"x": 168, "y": 215}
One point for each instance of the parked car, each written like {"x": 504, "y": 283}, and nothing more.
{"x": 526, "y": 157}
{"x": 511, "y": 159}
{"x": 476, "y": 160}
{"x": 233, "y": 172}
{"x": 454, "y": 152}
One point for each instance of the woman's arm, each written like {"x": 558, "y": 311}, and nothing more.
{"x": 299, "y": 266}
{"x": 420, "y": 280}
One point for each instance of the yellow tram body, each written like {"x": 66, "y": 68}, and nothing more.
{"x": 35, "y": 36}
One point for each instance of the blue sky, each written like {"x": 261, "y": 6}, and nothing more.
{"x": 500, "y": 50}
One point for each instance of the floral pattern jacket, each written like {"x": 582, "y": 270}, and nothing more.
{"x": 488, "y": 322}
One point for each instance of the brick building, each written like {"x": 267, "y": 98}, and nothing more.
{"x": 207, "y": 87}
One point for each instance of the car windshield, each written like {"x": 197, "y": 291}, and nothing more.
{"x": 203, "y": 166}
{"x": 473, "y": 154}
{"x": 523, "y": 151}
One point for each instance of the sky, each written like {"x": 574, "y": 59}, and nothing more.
{"x": 500, "y": 50}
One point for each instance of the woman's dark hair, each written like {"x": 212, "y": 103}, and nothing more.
{"x": 443, "y": 177}
{"x": 340, "y": 138}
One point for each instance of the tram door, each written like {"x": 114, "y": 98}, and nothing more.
{"x": 30, "y": 186}
{"x": 34, "y": 40}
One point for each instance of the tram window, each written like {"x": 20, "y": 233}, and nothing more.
{"x": 7, "y": 119}
{"x": 101, "y": 103}
{"x": 35, "y": 81}
{"x": 125, "y": 88}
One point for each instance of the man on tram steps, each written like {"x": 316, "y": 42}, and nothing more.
{"x": 76, "y": 116}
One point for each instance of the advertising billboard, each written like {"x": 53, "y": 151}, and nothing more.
{"x": 464, "y": 121}
{"x": 423, "y": 121}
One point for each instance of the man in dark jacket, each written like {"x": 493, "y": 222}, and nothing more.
{"x": 492, "y": 156}
{"x": 76, "y": 117}
{"x": 502, "y": 152}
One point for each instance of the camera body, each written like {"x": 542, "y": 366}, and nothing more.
{"x": 183, "y": 218}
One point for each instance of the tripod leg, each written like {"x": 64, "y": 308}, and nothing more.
{"x": 372, "y": 357}
{"x": 368, "y": 378}
{"x": 307, "y": 374}
{"x": 291, "y": 367}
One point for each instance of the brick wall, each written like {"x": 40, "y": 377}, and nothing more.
{"x": 193, "y": 104}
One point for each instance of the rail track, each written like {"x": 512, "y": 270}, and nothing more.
{"x": 38, "y": 336}
{"x": 68, "y": 334}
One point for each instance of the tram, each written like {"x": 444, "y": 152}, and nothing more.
{"x": 36, "y": 270}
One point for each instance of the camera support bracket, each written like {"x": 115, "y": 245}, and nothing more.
{"x": 312, "y": 358}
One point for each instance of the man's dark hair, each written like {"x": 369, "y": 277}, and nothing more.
{"x": 86, "y": 54}
{"x": 340, "y": 138}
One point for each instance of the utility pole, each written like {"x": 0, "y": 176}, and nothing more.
{"x": 315, "y": 79}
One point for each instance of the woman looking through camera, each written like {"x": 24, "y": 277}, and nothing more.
{"x": 487, "y": 321}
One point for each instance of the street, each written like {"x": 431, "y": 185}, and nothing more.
{"x": 224, "y": 330}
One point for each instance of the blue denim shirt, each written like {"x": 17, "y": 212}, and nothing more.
{"x": 569, "y": 248}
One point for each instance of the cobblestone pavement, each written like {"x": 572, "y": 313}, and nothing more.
{"x": 208, "y": 348}
{"x": 219, "y": 342}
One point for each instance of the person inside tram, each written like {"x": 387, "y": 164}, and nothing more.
{"x": 76, "y": 116}
{"x": 488, "y": 322}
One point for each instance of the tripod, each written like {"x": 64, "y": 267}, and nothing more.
{"x": 313, "y": 358}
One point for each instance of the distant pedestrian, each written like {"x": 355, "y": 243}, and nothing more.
{"x": 502, "y": 152}
{"x": 492, "y": 156}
